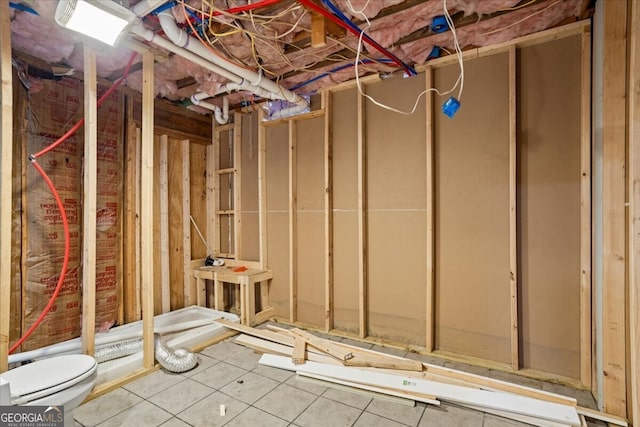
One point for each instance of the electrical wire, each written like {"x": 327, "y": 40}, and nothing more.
{"x": 521, "y": 20}
{"x": 63, "y": 213}
{"x": 335, "y": 70}
{"x": 344, "y": 22}
{"x": 459, "y": 81}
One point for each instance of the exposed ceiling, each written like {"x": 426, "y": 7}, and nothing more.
{"x": 276, "y": 39}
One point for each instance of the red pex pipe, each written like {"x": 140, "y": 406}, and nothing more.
{"x": 63, "y": 213}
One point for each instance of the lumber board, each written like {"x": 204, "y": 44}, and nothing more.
{"x": 634, "y": 211}
{"x": 131, "y": 225}
{"x": 326, "y": 346}
{"x": 265, "y": 346}
{"x": 164, "y": 223}
{"x": 378, "y": 390}
{"x": 602, "y": 416}
{"x": 146, "y": 211}
{"x": 89, "y": 201}
{"x": 328, "y": 213}
{"x": 6, "y": 171}
{"x": 430, "y": 262}
{"x": 513, "y": 215}
{"x": 517, "y": 417}
{"x": 585, "y": 212}
{"x": 237, "y": 184}
{"x": 260, "y": 333}
{"x": 293, "y": 223}
{"x": 262, "y": 190}
{"x": 337, "y": 385}
{"x": 614, "y": 261}
{"x": 456, "y": 394}
{"x": 299, "y": 351}
{"x": 190, "y": 292}
{"x": 363, "y": 298}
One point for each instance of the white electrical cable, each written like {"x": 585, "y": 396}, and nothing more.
{"x": 459, "y": 81}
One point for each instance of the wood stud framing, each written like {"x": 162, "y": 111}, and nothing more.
{"x": 430, "y": 248}
{"x": 585, "y": 212}
{"x": 6, "y": 173}
{"x": 513, "y": 242}
{"x": 146, "y": 210}
{"x": 237, "y": 184}
{"x": 328, "y": 212}
{"x": 90, "y": 197}
{"x": 293, "y": 224}
{"x": 634, "y": 209}
{"x": 165, "y": 281}
{"x": 262, "y": 190}
{"x": 362, "y": 220}
{"x": 613, "y": 205}
{"x": 188, "y": 280}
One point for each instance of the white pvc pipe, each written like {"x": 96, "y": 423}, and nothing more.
{"x": 221, "y": 115}
{"x": 273, "y": 90}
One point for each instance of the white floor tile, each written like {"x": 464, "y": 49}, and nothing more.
{"x": 285, "y": 401}
{"x": 105, "y": 407}
{"x": 180, "y": 396}
{"x": 144, "y": 414}
{"x": 249, "y": 387}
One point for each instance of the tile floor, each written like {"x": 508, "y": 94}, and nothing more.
{"x": 254, "y": 395}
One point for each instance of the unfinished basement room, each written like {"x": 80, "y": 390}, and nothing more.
{"x": 320, "y": 213}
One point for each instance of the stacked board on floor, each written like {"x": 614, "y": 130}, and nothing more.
{"x": 321, "y": 359}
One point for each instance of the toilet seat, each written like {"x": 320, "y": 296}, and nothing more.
{"x": 48, "y": 376}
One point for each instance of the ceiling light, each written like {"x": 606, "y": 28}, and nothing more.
{"x": 103, "y": 20}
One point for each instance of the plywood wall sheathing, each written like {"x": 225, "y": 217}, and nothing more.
{"x": 396, "y": 212}
{"x": 328, "y": 211}
{"x": 198, "y": 198}
{"x": 343, "y": 115}
{"x": 176, "y": 153}
{"x": 309, "y": 236}
{"x": 634, "y": 212}
{"x": 430, "y": 249}
{"x": 249, "y": 177}
{"x": 276, "y": 199}
{"x": 472, "y": 213}
{"x": 293, "y": 222}
{"x": 549, "y": 205}
{"x": 262, "y": 190}
{"x": 90, "y": 176}
{"x": 146, "y": 210}
{"x": 6, "y": 159}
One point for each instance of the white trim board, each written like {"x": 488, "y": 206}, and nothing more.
{"x": 486, "y": 399}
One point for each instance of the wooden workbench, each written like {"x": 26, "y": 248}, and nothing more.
{"x": 246, "y": 281}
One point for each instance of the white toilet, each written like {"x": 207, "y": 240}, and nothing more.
{"x": 57, "y": 381}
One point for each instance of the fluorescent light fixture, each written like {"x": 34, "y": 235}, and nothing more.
{"x": 103, "y": 20}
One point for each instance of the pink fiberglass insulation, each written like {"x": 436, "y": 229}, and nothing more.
{"x": 370, "y": 8}
{"x": 392, "y": 28}
{"x": 108, "y": 59}
{"x": 518, "y": 23}
{"x": 40, "y": 36}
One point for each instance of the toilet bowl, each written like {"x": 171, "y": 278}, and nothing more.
{"x": 57, "y": 381}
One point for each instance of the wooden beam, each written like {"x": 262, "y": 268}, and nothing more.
{"x": 165, "y": 282}
{"x": 363, "y": 306}
{"x": 318, "y": 30}
{"x": 328, "y": 213}
{"x": 613, "y": 207}
{"x": 634, "y": 211}
{"x": 237, "y": 184}
{"x": 210, "y": 231}
{"x": 585, "y": 212}
{"x": 190, "y": 292}
{"x": 513, "y": 215}
{"x": 89, "y": 202}
{"x": 262, "y": 190}
{"x": 215, "y": 195}
{"x": 293, "y": 224}
{"x": 146, "y": 210}
{"x": 430, "y": 249}
{"x": 6, "y": 174}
